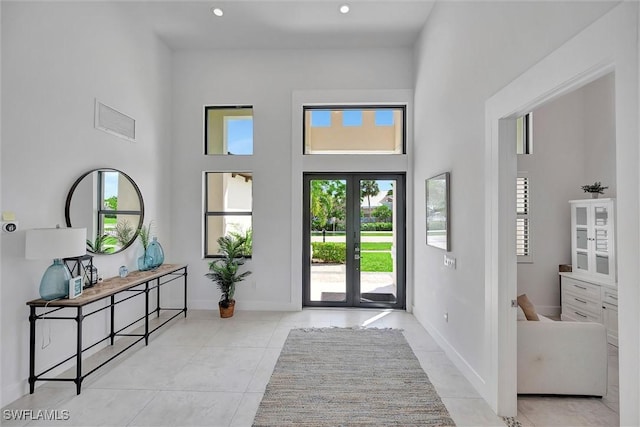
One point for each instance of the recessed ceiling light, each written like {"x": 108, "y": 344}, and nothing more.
{"x": 217, "y": 11}
{"x": 344, "y": 8}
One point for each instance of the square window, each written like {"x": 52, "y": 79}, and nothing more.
{"x": 229, "y": 130}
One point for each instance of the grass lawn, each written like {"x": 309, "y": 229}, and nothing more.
{"x": 376, "y": 233}
{"x": 377, "y": 262}
{"x": 375, "y": 246}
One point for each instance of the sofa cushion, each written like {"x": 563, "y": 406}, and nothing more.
{"x": 528, "y": 307}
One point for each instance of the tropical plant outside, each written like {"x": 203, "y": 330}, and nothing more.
{"x": 368, "y": 188}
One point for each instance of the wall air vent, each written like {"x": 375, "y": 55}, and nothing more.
{"x": 114, "y": 122}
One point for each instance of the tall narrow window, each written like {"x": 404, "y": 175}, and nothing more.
{"x": 228, "y": 207}
{"x": 523, "y": 220}
{"x": 354, "y": 130}
{"x": 524, "y": 137}
{"x": 228, "y": 130}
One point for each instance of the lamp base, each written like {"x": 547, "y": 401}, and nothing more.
{"x": 55, "y": 282}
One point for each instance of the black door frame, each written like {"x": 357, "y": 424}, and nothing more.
{"x": 353, "y": 235}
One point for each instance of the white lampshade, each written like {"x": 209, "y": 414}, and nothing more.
{"x": 48, "y": 243}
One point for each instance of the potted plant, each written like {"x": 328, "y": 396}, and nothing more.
{"x": 224, "y": 272}
{"x": 594, "y": 189}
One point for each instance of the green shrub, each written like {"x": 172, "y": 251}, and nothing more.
{"x": 329, "y": 252}
{"x": 376, "y": 226}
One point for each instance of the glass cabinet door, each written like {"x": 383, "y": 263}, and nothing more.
{"x": 593, "y": 235}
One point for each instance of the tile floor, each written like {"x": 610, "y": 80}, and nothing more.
{"x": 207, "y": 371}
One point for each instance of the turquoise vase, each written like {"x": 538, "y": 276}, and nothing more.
{"x": 145, "y": 262}
{"x": 55, "y": 282}
{"x": 155, "y": 252}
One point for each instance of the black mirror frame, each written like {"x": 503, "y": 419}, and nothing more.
{"x": 67, "y": 207}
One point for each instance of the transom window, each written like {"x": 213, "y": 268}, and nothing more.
{"x": 354, "y": 130}
{"x": 228, "y": 130}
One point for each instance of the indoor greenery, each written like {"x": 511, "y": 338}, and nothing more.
{"x": 123, "y": 232}
{"x": 594, "y": 188}
{"x": 145, "y": 235}
{"x": 98, "y": 245}
{"x": 224, "y": 271}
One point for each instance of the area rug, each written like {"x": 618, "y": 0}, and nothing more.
{"x": 349, "y": 377}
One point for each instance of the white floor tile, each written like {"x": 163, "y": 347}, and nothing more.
{"x": 218, "y": 369}
{"x": 208, "y": 371}
{"x": 102, "y": 408}
{"x": 189, "y": 408}
{"x": 471, "y": 412}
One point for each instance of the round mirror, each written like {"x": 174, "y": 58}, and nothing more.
{"x": 109, "y": 204}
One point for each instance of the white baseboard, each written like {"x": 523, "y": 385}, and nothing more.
{"x": 458, "y": 360}
{"x": 244, "y": 305}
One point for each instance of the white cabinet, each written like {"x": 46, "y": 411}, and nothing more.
{"x": 593, "y": 239}
{"x": 590, "y": 301}
{"x": 610, "y": 314}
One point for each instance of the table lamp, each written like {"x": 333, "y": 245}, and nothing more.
{"x": 56, "y": 243}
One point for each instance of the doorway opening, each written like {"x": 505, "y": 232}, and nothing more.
{"x": 354, "y": 240}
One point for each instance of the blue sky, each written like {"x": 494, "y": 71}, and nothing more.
{"x": 240, "y": 136}
{"x": 110, "y": 184}
{"x": 322, "y": 118}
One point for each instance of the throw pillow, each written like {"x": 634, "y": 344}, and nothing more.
{"x": 527, "y": 306}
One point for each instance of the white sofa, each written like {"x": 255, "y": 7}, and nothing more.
{"x": 562, "y": 357}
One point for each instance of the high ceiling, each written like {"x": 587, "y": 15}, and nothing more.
{"x": 184, "y": 24}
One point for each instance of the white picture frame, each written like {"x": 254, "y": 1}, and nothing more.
{"x": 75, "y": 287}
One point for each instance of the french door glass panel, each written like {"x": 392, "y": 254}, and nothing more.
{"x": 354, "y": 240}
{"x": 327, "y": 209}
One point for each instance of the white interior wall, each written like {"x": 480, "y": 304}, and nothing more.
{"x": 57, "y": 58}
{"x": 265, "y": 79}
{"x": 600, "y": 134}
{"x": 494, "y": 42}
{"x": 574, "y": 144}
{"x": 1, "y": 208}
{"x": 609, "y": 44}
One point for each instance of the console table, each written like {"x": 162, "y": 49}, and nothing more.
{"x": 114, "y": 291}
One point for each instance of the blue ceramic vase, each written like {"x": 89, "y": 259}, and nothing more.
{"x": 145, "y": 262}
{"x": 155, "y": 252}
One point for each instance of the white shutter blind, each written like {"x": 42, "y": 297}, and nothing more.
{"x": 523, "y": 236}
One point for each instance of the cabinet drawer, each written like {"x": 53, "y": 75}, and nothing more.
{"x": 579, "y": 301}
{"x": 578, "y": 287}
{"x": 571, "y": 312}
{"x": 610, "y": 296}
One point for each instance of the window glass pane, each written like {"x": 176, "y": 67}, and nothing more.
{"x": 229, "y": 130}
{"x": 229, "y": 192}
{"x": 368, "y": 130}
{"x": 524, "y": 134}
{"x": 224, "y": 225}
{"x": 228, "y": 208}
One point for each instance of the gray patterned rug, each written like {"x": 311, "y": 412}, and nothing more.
{"x": 343, "y": 377}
